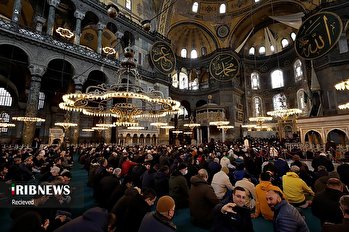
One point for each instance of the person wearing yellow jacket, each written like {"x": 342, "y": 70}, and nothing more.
{"x": 295, "y": 188}
{"x": 262, "y": 207}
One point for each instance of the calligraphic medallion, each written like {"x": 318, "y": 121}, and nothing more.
{"x": 224, "y": 66}
{"x": 162, "y": 57}
{"x": 318, "y": 34}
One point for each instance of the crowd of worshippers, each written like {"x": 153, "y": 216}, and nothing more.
{"x": 224, "y": 186}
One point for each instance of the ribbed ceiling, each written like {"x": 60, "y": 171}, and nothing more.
{"x": 191, "y": 36}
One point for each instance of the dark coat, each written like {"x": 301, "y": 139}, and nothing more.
{"x": 106, "y": 188}
{"x": 325, "y": 206}
{"x": 344, "y": 227}
{"x": 239, "y": 222}
{"x": 179, "y": 190}
{"x": 161, "y": 184}
{"x": 322, "y": 160}
{"x": 93, "y": 220}
{"x": 156, "y": 222}
{"x": 202, "y": 201}
{"x": 129, "y": 211}
{"x": 288, "y": 219}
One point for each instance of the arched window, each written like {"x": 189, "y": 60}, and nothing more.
{"x": 302, "y": 99}
{"x": 256, "y": 0}
{"x": 5, "y": 98}
{"x": 183, "y": 80}
{"x": 184, "y": 53}
{"x": 298, "y": 71}
{"x": 128, "y": 4}
{"x": 279, "y": 101}
{"x": 195, "y": 7}
{"x": 272, "y": 49}
{"x": 293, "y": 36}
{"x": 251, "y": 51}
{"x": 277, "y": 79}
{"x": 284, "y": 43}
{"x": 262, "y": 50}
{"x": 183, "y": 112}
{"x": 4, "y": 117}
{"x": 257, "y": 107}
{"x": 203, "y": 51}
{"x": 255, "y": 84}
{"x": 193, "y": 54}
{"x": 194, "y": 85}
{"x": 175, "y": 80}
{"x": 41, "y": 100}
{"x": 222, "y": 8}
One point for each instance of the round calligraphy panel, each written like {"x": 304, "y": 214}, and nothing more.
{"x": 162, "y": 57}
{"x": 222, "y": 31}
{"x": 224, "y": 66}
{"x": 318, "y": 34}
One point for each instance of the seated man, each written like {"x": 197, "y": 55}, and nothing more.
{"x": 295, "y": 188}
{"x": 344, "y": 205}
{"x": 233, "y": 216}
{"x": 325, "y": 204}
{"x": 202, "y": 200}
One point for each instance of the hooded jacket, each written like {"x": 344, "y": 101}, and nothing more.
{"x": 294, "y": 188}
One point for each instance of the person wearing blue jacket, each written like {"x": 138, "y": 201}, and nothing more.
{"x": 286, "y": 217}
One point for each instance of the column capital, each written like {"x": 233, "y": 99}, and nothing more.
{"x": 54, "y": 3}
{"x": 37, "y": 70}
{"x": 79, "y": 15}
{"x": 100, "y": 26}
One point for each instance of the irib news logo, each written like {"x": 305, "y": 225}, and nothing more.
{"x": 39, "y": 190}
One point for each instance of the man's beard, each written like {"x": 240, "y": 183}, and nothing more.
{"x": 271, "y": 207}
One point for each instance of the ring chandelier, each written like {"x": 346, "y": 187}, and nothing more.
{"x": 124, "y": 100}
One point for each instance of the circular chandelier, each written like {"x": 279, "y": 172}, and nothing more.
{"x": 342, "y": 85}
{"x": 159, "y": 124}
{"x": 284, "y": 113}
{"x": 28, "y": 119}
{"x": 191, "y": 124}
{"x": 344, "y": 106}
{"x": 225, "y": 127}
{"x": 6, "y": 124}
{"x": 125, "y": 99}
{"x": 219, "y": 123}
{"x": 135, "y": 128}
{"x": 88, "y": 130}
{"x": 260, "y": 120}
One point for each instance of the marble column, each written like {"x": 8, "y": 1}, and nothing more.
{"x": 37, "y": 71}
{"x": 100, "y": 27}
{"x": 75, "y": 118}
{"x": 16, "y": 12}
{"x": 51, "y": 15}
{"x": 79, "y": 17}
{"x": 108, "y": 120}
{"x": 208, "y": 134}
{"x": 40, "y": 21}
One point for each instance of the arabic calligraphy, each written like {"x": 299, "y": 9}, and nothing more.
{"x": 163, "y": 57}
{"x": 224, "y": 66}
{"x": 318, "y": 34}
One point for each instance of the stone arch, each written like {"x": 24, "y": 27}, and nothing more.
{"x": 153, "y": 140}
{"x": 313, "y": 137}
{"x": 26, "y": 49}
{"x": 94, "y": 78}
{"x": 128, "y": 139}
{"x": 200, "y": 103}
{"x": 141, "y": 139}
{"x": 135, "y": 139}
{"x": 147, "y": 139}
{"x": 338, "y": 136}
